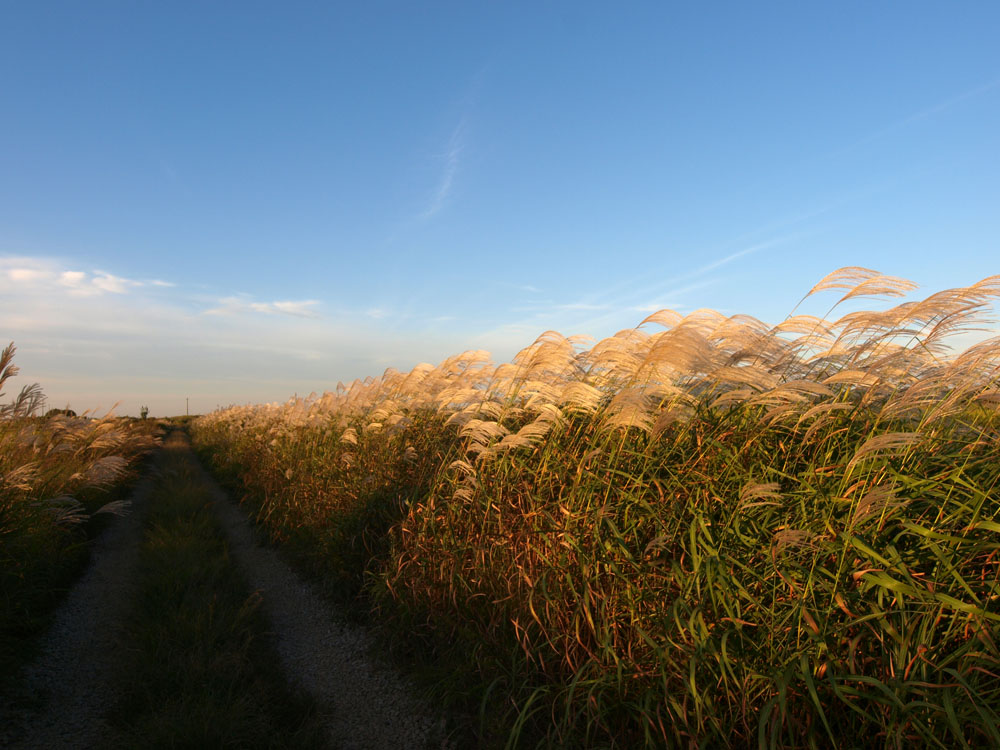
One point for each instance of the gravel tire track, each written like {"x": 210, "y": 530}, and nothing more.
{"x": 363, "y": 702}
{"x": 71, "y": 684}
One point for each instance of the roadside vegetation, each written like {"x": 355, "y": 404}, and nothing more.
{"x": 60, "y": 477}
{"x": 703, "y": 530}
{"x": 200, "y": 670}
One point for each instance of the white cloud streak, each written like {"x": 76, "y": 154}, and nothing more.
{"x": 738, "y": 254}
{"x": 451, "y": 157}
{"x": 242, "y": 306}
{"x": 26, "y": 274}
{"x": 611, "y": 309}
{"x": 923, "y": 114}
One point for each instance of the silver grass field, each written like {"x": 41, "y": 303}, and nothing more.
{"x": 701, "y": 531}
{"x": 61, "y": 477}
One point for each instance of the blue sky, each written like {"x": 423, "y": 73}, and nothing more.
{"x": 235, "y": 202}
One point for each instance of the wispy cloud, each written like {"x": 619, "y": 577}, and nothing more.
{"x": 885, "y": 130}
{"x": 41, "y": 274}
{"x": 923, "y": 114}
{"x": 618, "y": 306}
{"x": 243, "y": 305}
{"x": 651, "y": 307}
{"x": 548, "y": 306}
{"x": 635, "y": 294}
{"x": 519, "y": 287}
{"x": 581, "y": 306}
{"x": 143, "y": 343}
{"x": 738, "y": 254}
{"x": 107, "y": 282}
{"x": 26, "y": 275}
{"x": 451, "y": 158}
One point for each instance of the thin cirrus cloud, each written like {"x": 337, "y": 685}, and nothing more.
{"x": 240, "y": 305}
{"x": 30, "y": 286}
{"x": 34, "y": 275}
{"x": 929, "y": 111}
{"x": 610, "y": 308}
{"x": 452, "y": 159}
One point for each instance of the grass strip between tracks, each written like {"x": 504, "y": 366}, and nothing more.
{"x": 200, "y": 669}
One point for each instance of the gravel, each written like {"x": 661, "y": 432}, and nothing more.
{"x": 66, "y": 690}
{"x": 364, "y": 703}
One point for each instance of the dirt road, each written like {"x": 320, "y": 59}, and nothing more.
{"x": 68, "y": 691}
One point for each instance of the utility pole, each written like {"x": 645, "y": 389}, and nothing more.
{"x": 187, "y": 407}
